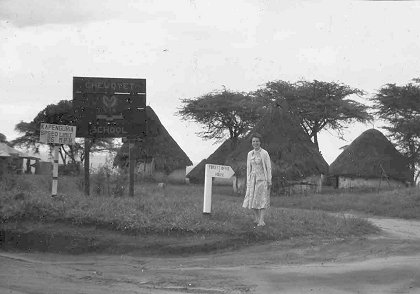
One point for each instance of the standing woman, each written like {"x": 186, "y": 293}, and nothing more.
{"x": 258, "y": 176}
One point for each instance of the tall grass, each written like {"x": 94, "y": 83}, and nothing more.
{"x": 401, "y": 203}
{"x": 174, "y": 209}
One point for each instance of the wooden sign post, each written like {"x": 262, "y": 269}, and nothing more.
{"x": 211, "y": 171}
{"x": 57, "y": 135}
{"x": 87, "y": 166}
{"x": 131, "y": 163}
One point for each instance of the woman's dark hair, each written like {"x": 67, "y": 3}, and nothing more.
{"x": 256, "y": 135}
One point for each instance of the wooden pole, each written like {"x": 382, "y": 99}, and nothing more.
{"x": 55, "y": 172}
{"x": 131, "y": 162}
{"x": 87, "y": 163}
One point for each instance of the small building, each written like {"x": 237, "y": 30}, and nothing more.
{"x": 15, "y": 161}
{"x": 297, "y": 165}
{"x": 157, "y": 156}
{"x": 370, "y": 161}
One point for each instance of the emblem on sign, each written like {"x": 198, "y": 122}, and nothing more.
{"x": 109, "y": 108}
{"x": 109, "y": 102}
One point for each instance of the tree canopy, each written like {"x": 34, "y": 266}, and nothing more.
{"x": 317, "y": 105}
{"x": 223, "y": 114}
{"x": 3, "y": 138}
{"x": 399, "y": 106}
{"x": 61, "y": 113}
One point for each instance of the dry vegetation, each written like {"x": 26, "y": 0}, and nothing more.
{"x": 173, "y": 210}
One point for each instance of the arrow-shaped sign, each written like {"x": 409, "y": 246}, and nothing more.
{"x": 219, "y": 171}
{"x": 211, "y": 171}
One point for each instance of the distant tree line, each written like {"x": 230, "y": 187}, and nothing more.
{"x": 318, "y": 106}
{"x": 224, "y": 114}
{"x": 61, "y": 113}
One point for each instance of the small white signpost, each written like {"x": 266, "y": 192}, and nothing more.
{"x": 57, "y": 135}
{"x": 211, "y": 171}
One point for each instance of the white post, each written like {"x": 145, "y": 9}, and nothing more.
{"x": 213, "y": 170}
{"x": 55, "y": 172}
{"x": 207, "y": 190}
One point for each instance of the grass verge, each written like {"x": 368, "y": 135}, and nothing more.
{"x": 401, "y": 203}
{"x": 174, "y": 210}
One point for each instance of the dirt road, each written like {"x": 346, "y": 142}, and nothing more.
{"x": 385, "y": 263}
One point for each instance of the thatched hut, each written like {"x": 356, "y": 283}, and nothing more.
{"x": 370, "y": 161}
{"x": 297, "y": 165}
{"x": 196, "y": 175}
{"x": 158, "y": 155}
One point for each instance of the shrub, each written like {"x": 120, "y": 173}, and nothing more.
{"x": 109, "y": 181}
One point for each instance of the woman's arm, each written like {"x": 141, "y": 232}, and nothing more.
{"x": 268, "y": 166}
{"x": 248, "y": 168}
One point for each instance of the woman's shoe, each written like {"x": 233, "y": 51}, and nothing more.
{"x": 262, "y": 224}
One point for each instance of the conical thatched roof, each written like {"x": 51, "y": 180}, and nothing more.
{"x": 157, "y": 145}
{"x": 293, "y": 155}
{"x": 367, "y": 155}
{"x": 7, "y": 151}
{"x": 196, "y": 175}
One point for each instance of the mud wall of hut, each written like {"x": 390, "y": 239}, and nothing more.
{"x": 148, "y": 170}
{"x": 177, "y": 176}
{"x": 312, "y": 184}
{"x": 350, "y": 182}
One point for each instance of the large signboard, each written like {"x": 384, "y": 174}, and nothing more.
{"x": 57, "y": 134}
{"x": 109, "y": 107}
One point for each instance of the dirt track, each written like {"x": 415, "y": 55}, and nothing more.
{"x": 387, "y": 263}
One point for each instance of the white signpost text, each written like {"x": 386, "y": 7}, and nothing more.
{"x": 211, "y": 171}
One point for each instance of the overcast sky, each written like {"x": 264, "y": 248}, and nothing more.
{"x": 188, "y": 48}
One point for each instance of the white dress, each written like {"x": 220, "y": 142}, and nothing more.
{"x": 257, "y": 194}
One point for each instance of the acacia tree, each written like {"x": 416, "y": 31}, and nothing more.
{"x": 61, "y": 113}
{"x": 317, "y": 105}
{"x": 223, "y": 114}
{"x": 399, "y": 106}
